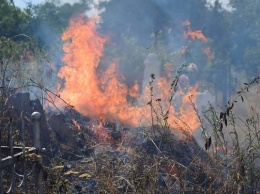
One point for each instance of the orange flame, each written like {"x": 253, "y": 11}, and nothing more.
{"x": 77, "y": 125}
{"x": 103, "y": 135}
{"x": 208, "y": 53}
{"x": 193, "y": 34}
{"x": 103, "y": 97}
{"x": 100, "y": 94}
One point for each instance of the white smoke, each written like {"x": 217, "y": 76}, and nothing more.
{"x": 95, "y": 8}
{"x": 225, "y": 4}
{"x": 94, "y": 5}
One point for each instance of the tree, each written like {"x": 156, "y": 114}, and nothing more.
{"x": 49, "y": 20}
{"x": 137, "y": 28}
{"x": 13, "y": 20}
{"x": 245, "y": 35}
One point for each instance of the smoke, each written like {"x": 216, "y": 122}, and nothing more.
{"x": 225, "y": 4}
{"x": 95, "y": 8}
{"x": 135, "y": 29}
{"x": 138, "y": 28}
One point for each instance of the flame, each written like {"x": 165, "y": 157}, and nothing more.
{"x": 172, "y": 170}
{"x": 99, "y": 96}
{"x": 188, "y": 119}
{"x": 208, "y": 53}
{"x": 193, "y": 34}
{"x": 103, "y": 135}
{"x": 103, "y": 94}
{"x": 77, "y": 125}
{"x": 185, "y": 118}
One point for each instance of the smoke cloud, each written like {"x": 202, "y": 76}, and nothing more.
{"x": 95, "y": 8}
{"x": 225, "y": 4}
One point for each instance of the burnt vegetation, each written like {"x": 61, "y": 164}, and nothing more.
{"x": 104, "y": 155}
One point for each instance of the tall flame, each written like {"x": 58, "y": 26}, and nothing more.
{"x": 100, "y": 94}
{"x": 94, "y": 95}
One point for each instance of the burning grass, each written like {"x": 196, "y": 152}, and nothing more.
{"x": 152, "y": 158}
{"x": 109, "y": 152}
{"x": 101, "y": 155}
{"x": 102, "y": 94}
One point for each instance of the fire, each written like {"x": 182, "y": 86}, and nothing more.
{"x": 103, "y": 94}
{"x": 181, "y": 112}
{"x": 208, "y": 53}
{"x": 77, "y": 125}
{"x": 187, "y": 119}
{"x": 193, "y": 34}
{"x": 172, "y": 170}
{"x": 103, "y": 135}
{"x": 93, "y": 94}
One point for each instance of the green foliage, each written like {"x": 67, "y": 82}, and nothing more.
{"x": 245, "y": 35}
{"x": 138, "y": 28}
{"x": 13, "y": 20}
{"x": 48, "y": 21}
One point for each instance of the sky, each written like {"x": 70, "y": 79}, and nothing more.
{"x": 225, "y": 4}
{"x": 22, "y": 3}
